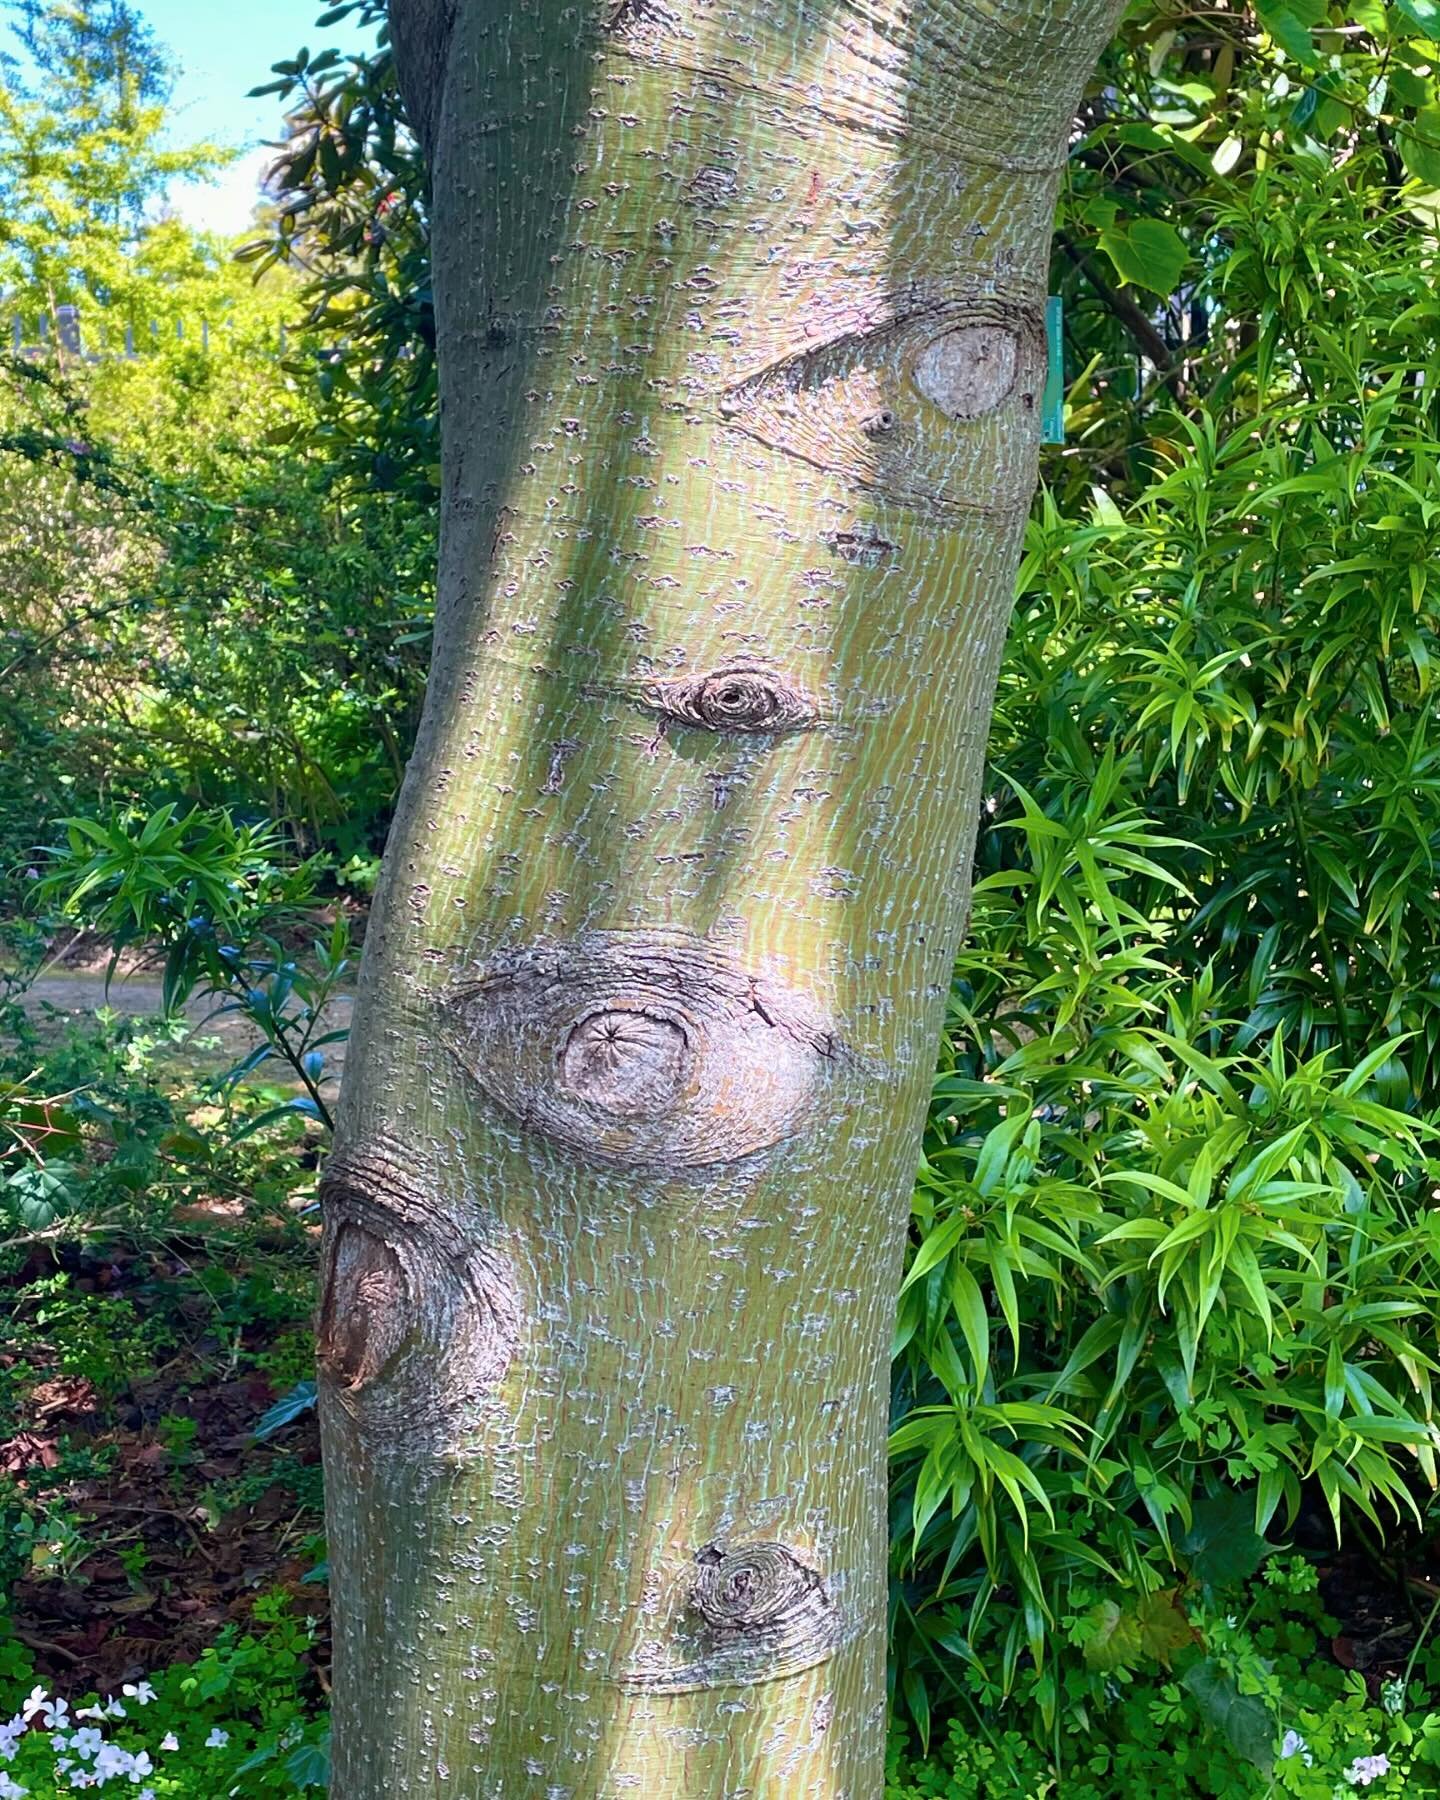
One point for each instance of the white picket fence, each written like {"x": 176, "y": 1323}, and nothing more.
{"x": 61, "y": 331}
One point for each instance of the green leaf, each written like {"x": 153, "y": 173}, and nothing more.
{"x": 1419, "y": 143}
{"x": 1425, "y": 14}
{"x": 1222, "y": 1545}
{"x": 1163, "y": 1626}
{"x": 1114, "y": 1638}
{"x": 969, "y": 1304}
{"x": 36, "y": 1197}
{"x": 1334, "y": 1380}
{"x": 1239, "y": 1718}
{"x": 287, "y": 1408}
{"x": 265, "y": 1754}
{"x": 1098, "y": 1340}
{"x": 936, "y": 1247}
{"x": 1289, "y": 25}
{"x": 309, "y": 1765}
{"x": 1147, "y": 252}
{"x": 917, "y": 1699}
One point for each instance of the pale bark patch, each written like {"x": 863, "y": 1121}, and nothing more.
{"x": 969, "y": 372}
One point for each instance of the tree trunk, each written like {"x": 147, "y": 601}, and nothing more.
{"x": 740, "y": 317}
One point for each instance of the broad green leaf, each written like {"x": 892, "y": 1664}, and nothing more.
{"x": 34, "y": 1197}
{"x": 1148, "y": 252}
{"x": 1113, "y": 1640}
{"x": 1240, "y": 1719}
{"x": 1425, "y": 14}
{"x": 1164, "y": 1627}
{"x": 309, "y": 1765}
{"x": 1289, "y": 24}
{"x": 289, "y": 1407}
{"x": 1419, "y": 142}
{"x": 1222, "y": 1545}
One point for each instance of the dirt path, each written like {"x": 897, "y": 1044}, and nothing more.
{"x": 63, "y": 997}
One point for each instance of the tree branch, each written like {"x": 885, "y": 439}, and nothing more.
{"x": 1123, "y": 308}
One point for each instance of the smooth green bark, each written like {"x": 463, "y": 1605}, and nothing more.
{"x": 739, "y": 314}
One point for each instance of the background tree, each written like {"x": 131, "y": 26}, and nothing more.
{"x": 217, "y": 591}
{"x": 83, "y": 163}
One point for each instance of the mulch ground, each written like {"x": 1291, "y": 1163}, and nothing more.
{"x": 168, "y": 1531}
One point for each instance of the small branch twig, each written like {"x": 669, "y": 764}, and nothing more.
{"x": 1123, "y": 308}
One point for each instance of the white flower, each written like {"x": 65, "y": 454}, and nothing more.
{"x": 38, "y": 1700}
{"x": 1292, "y": 1744}
{"x": 217, "y": 1739}
{"x": 52, "y": 1712}
{"x": 169, "y": 1741}
{"x": 1366, "y": 1769}
{"x": 146, "y": 1794}
{"x": 112, "y": 1760}
{"x": 90, "y": 1712}
{"x": 11, "y": 1790}
{"x": 141, "y": 1765}
{"x": 87, "y": 1743}
{"x": 114, "y": 1710}
{"x": 140, "y": 1692}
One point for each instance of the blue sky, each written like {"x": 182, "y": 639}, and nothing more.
{"x": 224, "y": 48}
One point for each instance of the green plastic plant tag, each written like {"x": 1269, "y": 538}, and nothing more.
{"x": 1052, "y": 404}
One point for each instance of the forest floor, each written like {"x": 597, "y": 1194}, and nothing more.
{"x": 131, "y": 1386}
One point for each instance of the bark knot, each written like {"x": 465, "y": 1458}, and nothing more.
{"x": 970, "y": 371}
{"x": 753, "y": 1612}
{"x": 757, "y": 1588}
{"x": 644, "y": 1049}
{"x": 741, "y": 697}
{"x": 419, "y": 1315}
{"x": 849, "y": 402}
{"x": 630, "y": 1064}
